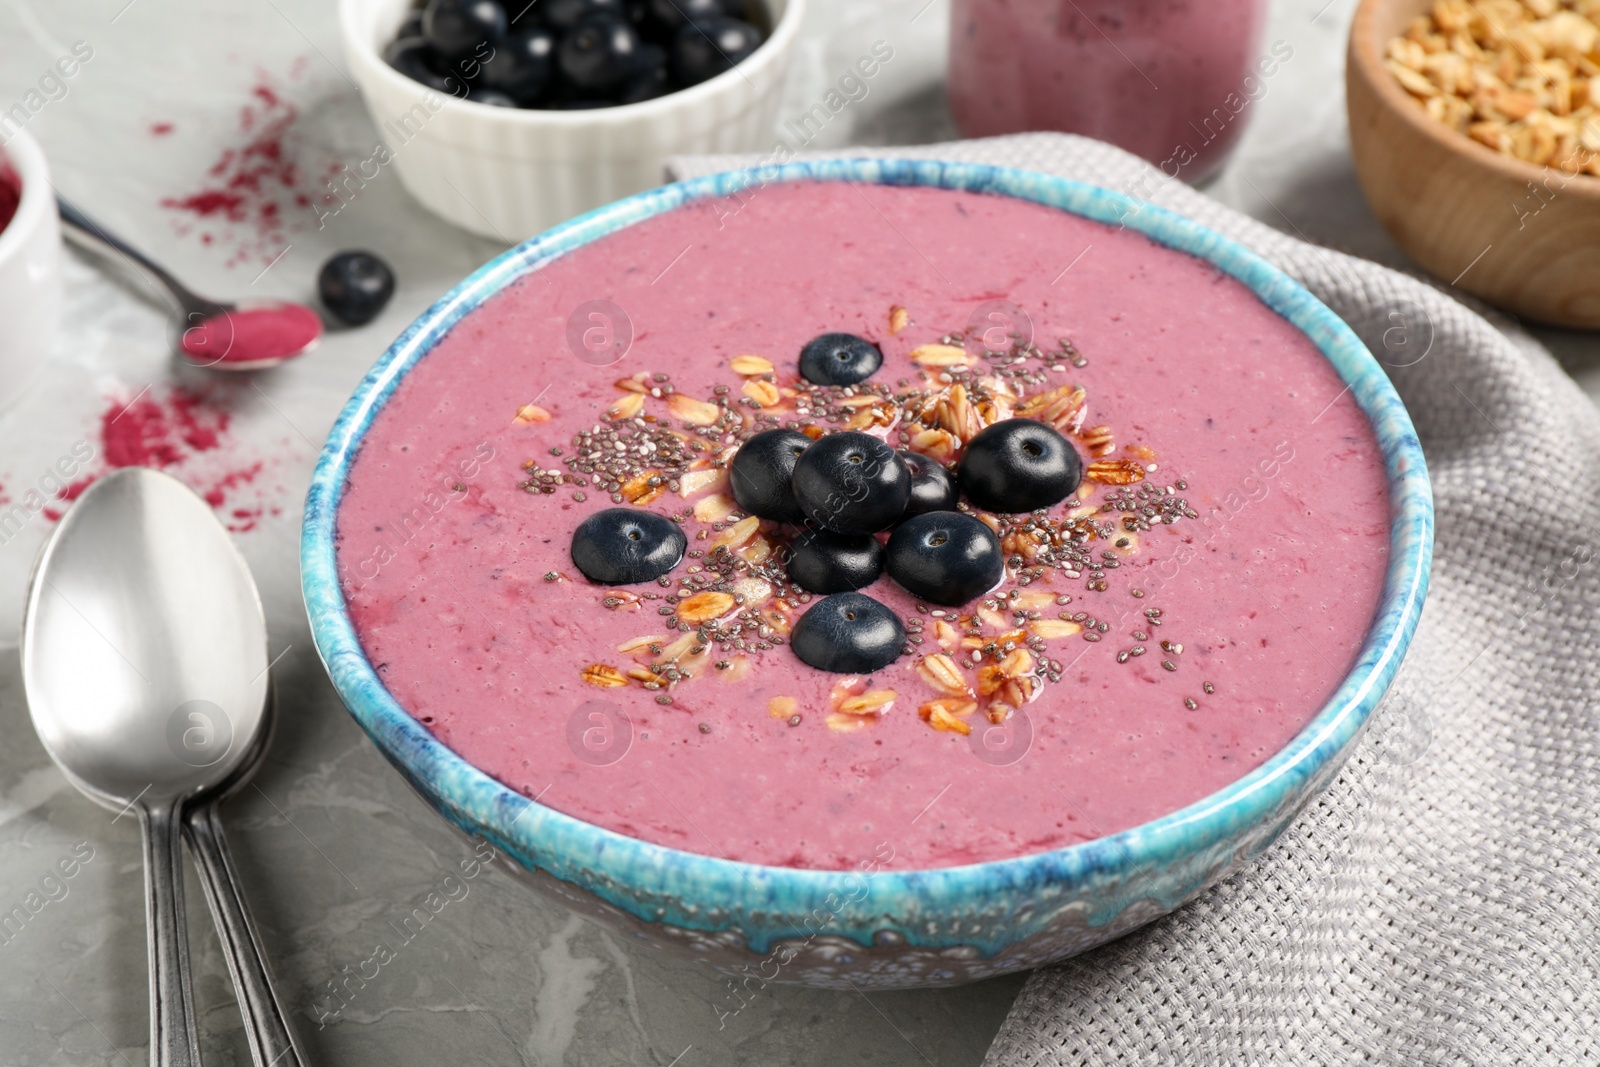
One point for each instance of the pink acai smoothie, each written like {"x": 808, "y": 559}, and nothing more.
{"x": 1172, "y": 81}
{"x": 1158, "y": 635}
{"x": 10, "y": 193}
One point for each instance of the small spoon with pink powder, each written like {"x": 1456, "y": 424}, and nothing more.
{"x": 244, "y": 336}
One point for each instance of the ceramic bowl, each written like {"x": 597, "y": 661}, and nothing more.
{"x": 894, "y": 928}
{"x": 30, "y": 270}
{"x": 508, "y": 173}
{"x": 1524, "y": 238}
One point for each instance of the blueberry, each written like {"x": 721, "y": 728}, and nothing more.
{"x": 563, "y": 16}
{"x": 599, "y": 55}
{"x": 639, "y": 18}
{"x": 492, "y": 97}
{"x": 652, "y": 80}
{"x": 851, "y": 483}
{"x": 848, "y": 633}
{"x": 761, "y": 471}
{"x": 355, "y": 287}
{"x": 672, "y": 14}
{"x": 413, "y": 57}
{"x": 457, "y": 28}
{"x": 620, "y": 546}
{"x": 823, "y": 562}
{"x": 945, "y": 557}
{"x": 933, "y": 488}
{"x": 839, "y": 359}
{"x": 521, "y": 64}
{"x": 1019, "y": 465}
{"x": 706, "y": 48}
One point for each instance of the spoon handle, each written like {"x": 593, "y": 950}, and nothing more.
{"x": 172, "y": 1033}
{"x": 272, "y": 1042}
{"x": 84, "y": 232}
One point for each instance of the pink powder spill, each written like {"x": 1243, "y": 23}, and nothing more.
{"x": 186, "y": 434}
{"x": 251, "y": 184}
{"x": 253, "y": 336}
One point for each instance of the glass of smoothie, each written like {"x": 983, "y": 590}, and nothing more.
{"x": 1173, "y": 81}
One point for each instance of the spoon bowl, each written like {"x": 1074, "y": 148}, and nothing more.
{"x": 247, "y": 336}
{"x": 140, "y": 680}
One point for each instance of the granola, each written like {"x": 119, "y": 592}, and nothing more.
{"x": 1520, "y": 76}
{"x": 735, "y": 601}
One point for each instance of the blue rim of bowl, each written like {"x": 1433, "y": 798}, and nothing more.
{"x": 686, "y": 889}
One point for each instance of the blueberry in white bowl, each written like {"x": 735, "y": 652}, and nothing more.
{"x": 599, "y": 55}
{"x": 459, "y": 28}
{"x": 564, "y": 16}
{"x": 667, "y": 17}
{"x": 414, "y": 57}
{"x": 706, "y": 48}
{"x": 561, "y": 55}
{"x": 522, "y": 64}
{"x": 492, "y": 98}
{"x": 652, "y": 76}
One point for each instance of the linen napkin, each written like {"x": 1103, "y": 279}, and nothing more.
{"x": 1438, "y": 903}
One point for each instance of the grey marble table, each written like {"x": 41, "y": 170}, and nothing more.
{"x": 333, "y": 846}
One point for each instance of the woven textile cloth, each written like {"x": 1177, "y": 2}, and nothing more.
{"x": 1438, "y": 904}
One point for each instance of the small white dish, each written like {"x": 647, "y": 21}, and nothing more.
{"x": 30, "y": 270}
{"x": 510, "y": 173}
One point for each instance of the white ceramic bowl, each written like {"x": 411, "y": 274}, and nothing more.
{"x": 510, "y": 174}
{"x": 30, "y": 271}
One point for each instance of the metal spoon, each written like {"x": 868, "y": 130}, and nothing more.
{"x": 266, "y": 1021}
{"x": 196, "y": 311}
{"x": 144, "y": 688}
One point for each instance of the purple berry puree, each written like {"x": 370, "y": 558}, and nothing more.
{"x": 10, "y": 193}
{"x": 1143, "y": 665}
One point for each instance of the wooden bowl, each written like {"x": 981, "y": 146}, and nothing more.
{"x": 1521, "y": 237}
